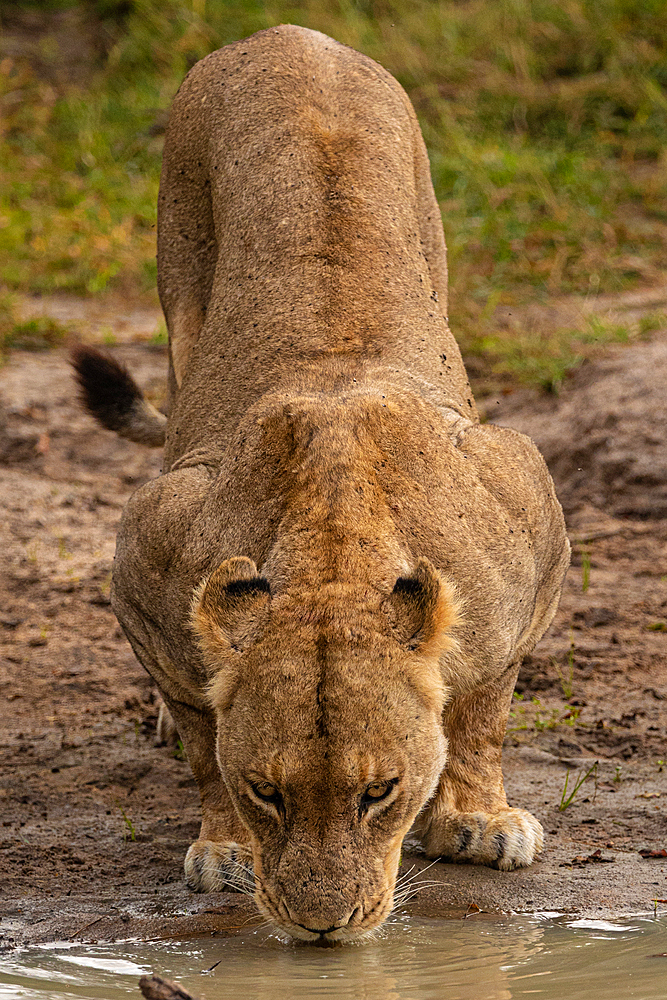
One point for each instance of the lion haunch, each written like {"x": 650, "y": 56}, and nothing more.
{"x": 336, "y": 577}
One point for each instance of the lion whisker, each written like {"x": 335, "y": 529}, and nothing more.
{"x": 407, "y": 886}
{"x": 410, "y": 892}
{"x": 241, "y": 884}
{"x": 404, "y": 878}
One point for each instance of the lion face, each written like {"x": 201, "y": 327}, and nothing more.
{"x": 327, "y": 781}
{"x": 329, "y": 737}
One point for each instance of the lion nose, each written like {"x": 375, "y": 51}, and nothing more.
{"x": 342, "y": 921}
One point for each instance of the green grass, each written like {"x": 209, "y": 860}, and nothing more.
{"x": 31, "y": 335}
{"x": 130, "y": 832}
{"x": 566, "y": 681}
{"x": 160, "y": 336}
{"x": 543, "y": 354}
{"x": 585, "y": 570}
{"x": 567, "y": 800}
{"x": 535, "y": 715}
{"x": 546, "y": 123}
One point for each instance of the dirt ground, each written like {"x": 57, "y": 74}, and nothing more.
{"x": 96, "y": 818}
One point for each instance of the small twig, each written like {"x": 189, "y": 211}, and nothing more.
{"x": 594, "y": 536}
{"x": 91, "y": 924}
{"x": 212, "y": 967}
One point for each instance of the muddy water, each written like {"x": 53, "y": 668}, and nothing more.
{"x": 549, "y": 958}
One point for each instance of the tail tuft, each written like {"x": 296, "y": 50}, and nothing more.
{"x": 110, "y": 394}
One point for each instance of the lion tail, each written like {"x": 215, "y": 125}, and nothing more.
{"x": 110, "y": 394}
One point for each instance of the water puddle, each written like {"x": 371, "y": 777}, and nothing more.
{"x": 478, "y": 959}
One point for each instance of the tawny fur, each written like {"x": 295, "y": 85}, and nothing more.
{"x": 336, "y": 577}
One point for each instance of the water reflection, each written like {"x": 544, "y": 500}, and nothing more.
{"x": 476, "y": 959}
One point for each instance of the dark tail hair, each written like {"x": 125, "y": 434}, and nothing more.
{"x": 110, "y": 394}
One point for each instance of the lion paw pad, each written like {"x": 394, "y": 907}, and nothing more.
{"x": 213, "y": 867}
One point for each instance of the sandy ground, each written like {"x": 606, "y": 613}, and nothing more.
{"x": 96, "y": 818}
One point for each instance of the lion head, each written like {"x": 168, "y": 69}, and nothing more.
{"x": 330, "y": 739}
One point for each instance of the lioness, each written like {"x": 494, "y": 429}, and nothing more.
{"x": 336, "y": 577}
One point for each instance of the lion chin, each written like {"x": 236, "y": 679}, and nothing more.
{"x": 337, "y": 574}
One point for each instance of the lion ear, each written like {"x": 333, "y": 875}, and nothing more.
{"x": 422, "y": 609}
{"x": 229, "y": 609}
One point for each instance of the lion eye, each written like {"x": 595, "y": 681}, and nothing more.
{"x": 378, "y": 789}
{"x": 375, "y": 792}
{"x": 266, "y": 791}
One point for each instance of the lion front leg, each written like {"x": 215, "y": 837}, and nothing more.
{"x": 468, "y": 820}
{"x": 220, "y": 859}
{"x": 219, "y": 867}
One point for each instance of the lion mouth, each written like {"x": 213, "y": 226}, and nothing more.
{"x": 361, "y": 923}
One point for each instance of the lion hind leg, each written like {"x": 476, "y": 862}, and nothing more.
{"x": 166, "y": 733}
{"x": 185, "y": 321}
{"x": 219, "y": 867}
{"x": 186, "y": 240}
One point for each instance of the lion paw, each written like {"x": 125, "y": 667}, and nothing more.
{"x": 212, "y": 867}
{"x": 505, "y": 840}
